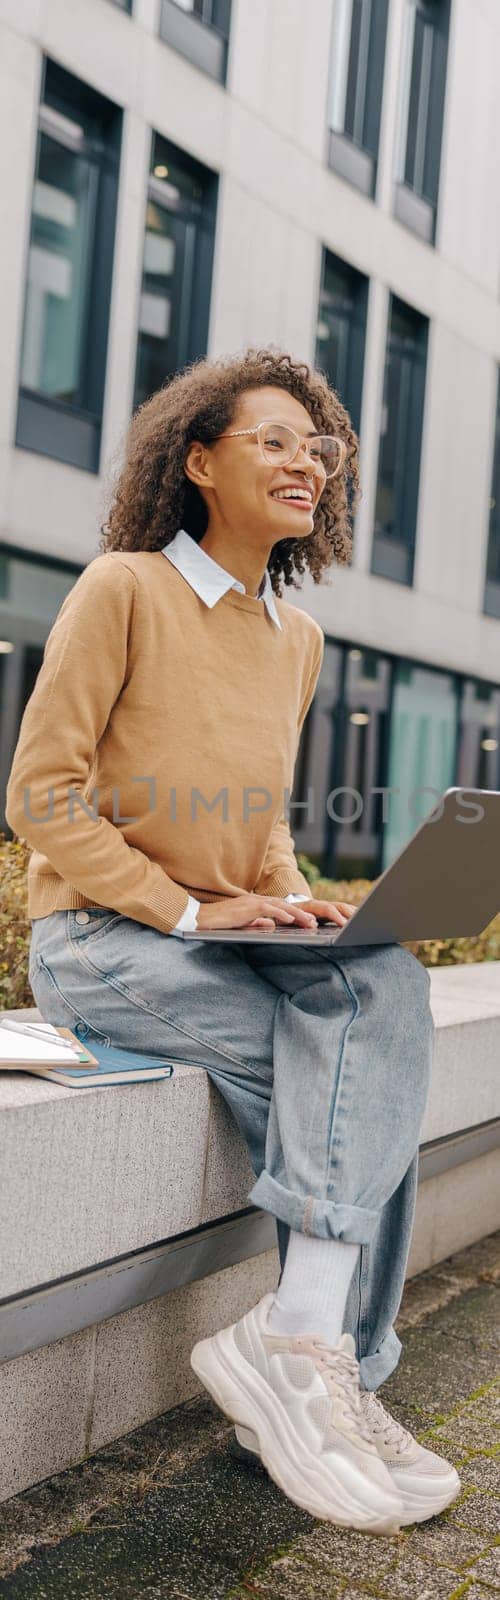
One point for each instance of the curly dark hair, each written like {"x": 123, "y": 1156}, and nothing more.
{"x": 153, "y": 497}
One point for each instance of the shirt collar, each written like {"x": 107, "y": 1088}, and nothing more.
{"x": 209, "y": 580}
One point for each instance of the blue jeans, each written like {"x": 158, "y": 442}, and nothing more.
{"x": 323, "y": 1058}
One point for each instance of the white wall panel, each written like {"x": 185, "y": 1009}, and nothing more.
{"x": 266, "y": 135}
{"x": 469, "y": 209}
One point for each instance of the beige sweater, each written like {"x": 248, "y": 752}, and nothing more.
{"x": 155, "y": 754}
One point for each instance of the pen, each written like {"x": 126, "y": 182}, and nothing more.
{"x": 31, "y": 1030}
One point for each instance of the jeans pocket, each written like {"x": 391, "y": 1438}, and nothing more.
{"x": 55, "y": 1008}
{"x": 90, "y": 923}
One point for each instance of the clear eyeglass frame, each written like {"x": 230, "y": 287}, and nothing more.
{"x": 295, "y": 443}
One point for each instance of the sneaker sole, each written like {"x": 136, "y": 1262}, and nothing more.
{"x": 245, "y": 1397}
{"x": 416, "y": 1508}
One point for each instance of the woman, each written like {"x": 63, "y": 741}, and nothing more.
{"x": 150, "y": 778}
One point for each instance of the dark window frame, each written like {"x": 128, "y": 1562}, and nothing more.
{"x": 416, "y": 194}
{"x": 203, "y": 42}
{"x": 46, "y": 425}
{"x": 27, "y": 633}
{"x": 195, "y": 247}
{"x": 353, "y": 149}
{"x": 352, "y": 289}
{"x": 392, "y": 556}
{"x": 491, "y": 603}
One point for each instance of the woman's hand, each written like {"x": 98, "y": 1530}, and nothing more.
{"x": 268, "y": 911}
{"x": 330, "y": 910}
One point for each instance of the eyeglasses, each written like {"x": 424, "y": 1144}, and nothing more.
{"x": 279, "y": 444}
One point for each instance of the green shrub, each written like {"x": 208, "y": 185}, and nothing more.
{"x": 15, "y": 927}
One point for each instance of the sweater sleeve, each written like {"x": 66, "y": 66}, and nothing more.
{"x": 280, "y": 873}
{"x": 65, "y": 718}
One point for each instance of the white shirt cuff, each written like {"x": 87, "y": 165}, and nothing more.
{"x": 188, "y": 922}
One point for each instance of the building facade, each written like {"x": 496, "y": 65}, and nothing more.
{"x": 187, "y": 177}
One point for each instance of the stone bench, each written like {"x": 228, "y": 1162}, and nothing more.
{"x": 127, "y": 1233}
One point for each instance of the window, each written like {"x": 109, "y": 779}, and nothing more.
{"x": 31, "y": 594}
{"x": 492, "y": 589}
{"x": 422, "y": 105}
{"x": 357, "y": 71}
{"x": 69, "y": 270}
{"x": 422, "y": 749}
{"x": 352, "y": 844}
{"x": 341, "y": 329}
{"x": 400, "y": 441}
{"x": 478, "y": 758}
{"x": 382, "y": 723}
{"x": 177, "y": 270}
{"x": 308, "y": 813}
{"x": 198, "y": 29}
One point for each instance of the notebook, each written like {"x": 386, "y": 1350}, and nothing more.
{"x": 114, "y": 1066}
{"x": 24, "y": 1044}
{"x": 69, "y": 1062}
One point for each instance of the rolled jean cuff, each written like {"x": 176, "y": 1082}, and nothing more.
{"x": 324, "y": 1219}
{"x": 375, "y": 1369}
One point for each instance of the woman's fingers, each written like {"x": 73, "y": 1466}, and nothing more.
{"x": 334, "y": 910}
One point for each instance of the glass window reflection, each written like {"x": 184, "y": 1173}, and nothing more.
{"x": 177, "y": 259}
{"x": 58, "y": 267}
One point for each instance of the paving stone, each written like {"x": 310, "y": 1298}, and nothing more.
{"x": 457, "y": 1347}
{"x": 473, "y": 1317}
{"x": 487, "y": 1405}
{"x": 488, "y": 1570}
{"x": 432, "y": 1290}
{"x": 287, "y": 1579}
{"x": 448, "y": 1449}
{"x": 192, "y": 1539}
{"x": 426, "y": 1294}
{"x": 413, "y": 1579}
{"x": 476, "y": 1591}
{"x": 290, "y": 1580}
{"x": 442, "y": 1541}
{"x": 469, "y": 1432}
{"x": 344, "y": 1594}
{"x": 346, "y": 1553}
{"x": 481, "y": 1260}
{"x": 483, "y": 1471}
{"x": 479, "y": 1511}
{"x": 296, "y": 1586}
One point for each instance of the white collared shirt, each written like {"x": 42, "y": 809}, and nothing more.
{"x": 210, "y": 581}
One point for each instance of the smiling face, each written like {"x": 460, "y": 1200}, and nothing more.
{"x": 242, "y": 489}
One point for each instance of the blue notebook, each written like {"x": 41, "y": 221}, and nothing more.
{"x": 115, "y": 1066}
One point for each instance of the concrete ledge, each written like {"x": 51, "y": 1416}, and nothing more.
{"x": 69, "y": 1398}
{"x": 134, "y": 1171}
{"x": 89, "y": 1176}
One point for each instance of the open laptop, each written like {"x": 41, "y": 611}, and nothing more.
{"x": 444, "y": 884}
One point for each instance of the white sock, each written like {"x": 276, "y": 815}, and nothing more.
{"x": 312, "y": 1295}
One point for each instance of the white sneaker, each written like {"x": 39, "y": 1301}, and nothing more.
{"x": 425, "y": 1482}
{"x": 300, "y": 1400}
